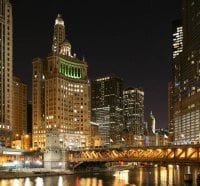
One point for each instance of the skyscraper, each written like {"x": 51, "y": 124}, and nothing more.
{"x": 60, "y": 91}
{"x": 133, "y": 108}
{"x": 173, "y": 93}
{"x": 186, "y": 73}
{"x": 6, "y": 69}
{"x": 106, "y": 106}
{"x": 20, "y": 108}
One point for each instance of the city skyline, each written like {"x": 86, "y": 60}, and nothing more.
{"x": 135, "y": 45}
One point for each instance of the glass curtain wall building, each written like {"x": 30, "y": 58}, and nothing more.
{"x": 186, "y": 73}
{"x": 106, "y": 107}
{"x": 133, "y": 109}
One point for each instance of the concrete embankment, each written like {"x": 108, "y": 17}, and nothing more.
{"x": 41, "y": 172}
{"x": 31, "y": 173}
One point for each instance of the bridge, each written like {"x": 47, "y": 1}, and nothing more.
{"x": 154, "y": 154}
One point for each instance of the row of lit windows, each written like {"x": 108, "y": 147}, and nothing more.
{"x": 71, "y": 85}
{"x": 4, "y": 126}
{"x": 39, "y": 132}
{"x": 71, "y": 89}
{"x": 51, "y": 117}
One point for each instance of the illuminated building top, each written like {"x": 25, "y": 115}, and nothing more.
{"x": 60, "y": 44}
{"x": 59, "y": 20}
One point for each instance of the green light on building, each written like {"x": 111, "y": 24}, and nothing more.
{"x": 70, "y": 69}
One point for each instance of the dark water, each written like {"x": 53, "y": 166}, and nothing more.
{"x": 138, "y": 176}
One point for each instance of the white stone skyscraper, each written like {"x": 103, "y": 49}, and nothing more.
{"x": 6, "y": 69}
{"x": 60, "y": 91}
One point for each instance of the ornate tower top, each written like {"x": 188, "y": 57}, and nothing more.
{"x": 59, "y": 20}
{"x": 60, "y": 44}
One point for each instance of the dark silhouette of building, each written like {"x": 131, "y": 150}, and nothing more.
{"x": 29, "y": 117}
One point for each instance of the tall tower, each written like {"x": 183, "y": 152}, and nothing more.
{"x": 106, "y": 105}
{"x": 186, "y": 74}
{"x": 133, "y": 107}
{"x": 6, "y": 70}
{"x": 60, "y": 92}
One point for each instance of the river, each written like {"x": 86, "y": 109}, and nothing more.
{"x": 170, "y": 175}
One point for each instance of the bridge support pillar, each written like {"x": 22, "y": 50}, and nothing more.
{"x": 54, "y": 158}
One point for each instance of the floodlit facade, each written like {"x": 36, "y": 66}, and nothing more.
{"x": 133, "y": 108}
{"x": 6, "y": 69}
{"x": 186, "y": 74}
{"x": 63, "y": 140}
{"x": 19, "y": 109}
{"x": 60, "y": 91}
{"x": 106, "y": 107}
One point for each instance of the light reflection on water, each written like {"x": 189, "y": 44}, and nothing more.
{"x": 60, "y": 181}
{"x": 121, "y": 177}
{"x": 27, "y": 182}
{"x": 158, "y": 175}
{"x": 39, "y": 181}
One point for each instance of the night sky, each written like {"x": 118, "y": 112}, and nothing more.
{"x": 129, "y": 38}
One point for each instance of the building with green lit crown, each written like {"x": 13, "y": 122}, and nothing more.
{"x": 60, "y": 93}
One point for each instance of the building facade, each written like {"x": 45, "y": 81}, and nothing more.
{"x": 106, "y": 107}
{"x": 60, "y": 90}
{"x": 133, "y": 110}
{"x": 6, "y": 70}
{"x": 19, "y": 126}
{"x": 177, "y": 48}
{"x": 177, "y": 36}
{"x": 186, "y": 73}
